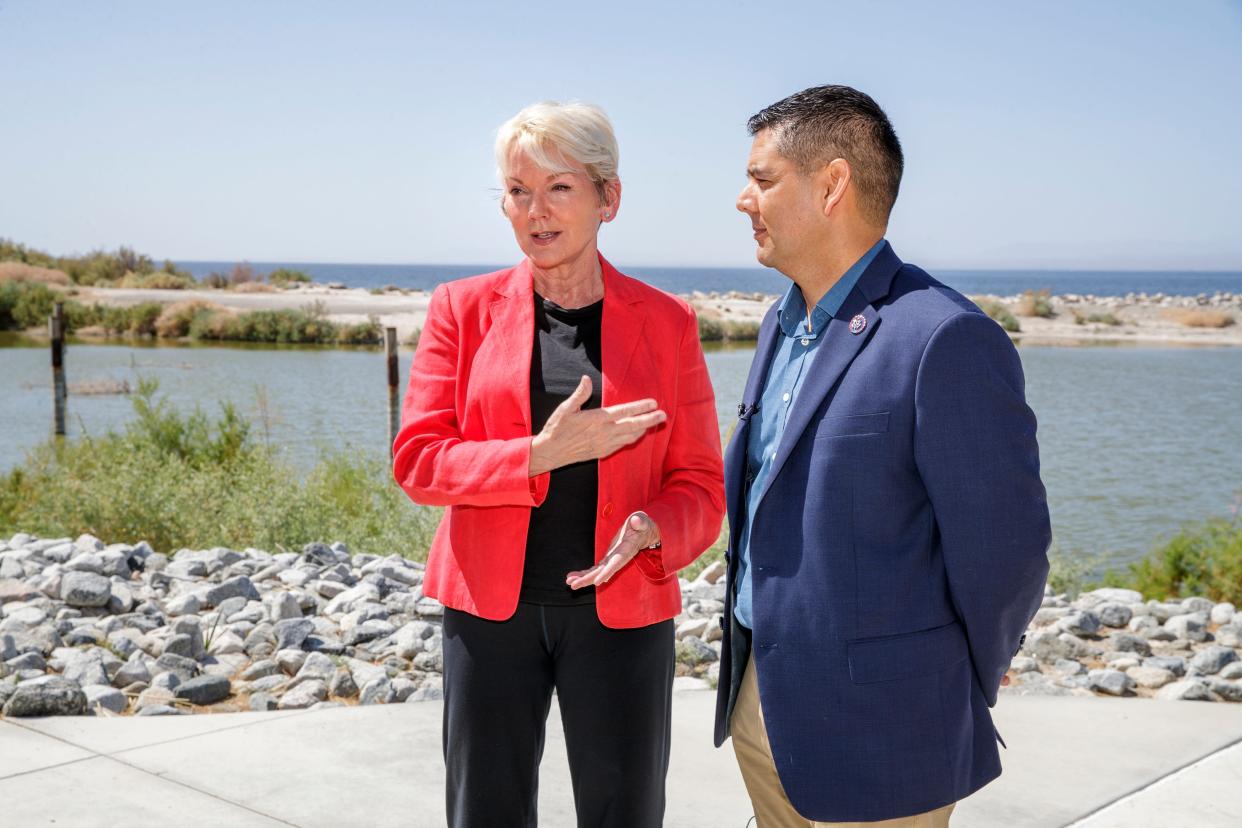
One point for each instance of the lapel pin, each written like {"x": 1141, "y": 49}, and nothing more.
{"x": 858, "y": 324}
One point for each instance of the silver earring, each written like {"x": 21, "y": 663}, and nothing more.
{"x": 607, "y": 214}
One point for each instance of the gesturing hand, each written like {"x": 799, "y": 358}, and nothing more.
{"x": 638, "y": 532}
{"x": 572, "y": 435}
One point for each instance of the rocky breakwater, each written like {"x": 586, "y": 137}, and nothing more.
{"x": 1111, "y": 642}
{"x": 88, "y": 628}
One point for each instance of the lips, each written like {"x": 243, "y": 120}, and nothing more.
{"x": 545, "y": 238}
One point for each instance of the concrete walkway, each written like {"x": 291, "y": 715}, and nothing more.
{"x": 1089, "y": 763}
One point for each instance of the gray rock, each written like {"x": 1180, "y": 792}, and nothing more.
{"x": 1222, "y": 613}
{"x": 693, "y": 651}
{"x": 184, "y": 668}
{"x": 431, "y": 661}
{"x": 291, "y": 661}
{"x": 342, "y": 684}
{"x": 167, "y": 680}
{"x": 1068, "y": 667}
{"x": 304, "y": 695}
{"x": 109, "y": 698}
{"x": 1151, "y": 678}
{"x": 1230, "y": 691}
{"x": 1198, "y": 605}
{"x": 1229, "y": 635}
{"x": 1210, "y": 660}
{"x": 159, "y": 710}
{"x": 379, "y": 691}
{"x": 238, "y": 586}
{"x": 1192, "y": 627}
{"x": 132, "y": 671}
{"x": 1023, "y": 664}
{"x": 181, "y": 645}
{"x": 1143, "y": 624}
{"x": 291, "y": 632}
{"x": 1112, "y": 595}
{"x": 85, "y": 589}
{"x": 1185, "y": 690}
{"x": 1112, "y": 682}
{"x": 403, "y": 688}
{"x": 426, "y": 694}
{"x": 1129, "y": 643}
{"x": 183, "y": 605}
{"x": 260, "y": 642}
{"x": 8, "y": 647}
{"x": 282, "y": 606}
{"x": 1114, "y": 615}
{"x": 316, "y": 666}
{"x": 51, "y": 697}
{"x": 204, "y": 690}
{"x": 85, "y": 668}
{"x": 28, "y": 661}
{"x": 368, "y": 631}
{"x": 429, "y": 608}
{"x": 260, "y": 669}
{"x": 1231, "y": 671}
{"x": 263, "y": 702}
{"x": 1082, "y": 622}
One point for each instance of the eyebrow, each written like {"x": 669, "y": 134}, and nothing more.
{"x": 549, "y": 178}
{"x": 756, "y": 171}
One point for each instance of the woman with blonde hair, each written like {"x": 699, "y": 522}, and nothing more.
{"x": 563, "y": 414}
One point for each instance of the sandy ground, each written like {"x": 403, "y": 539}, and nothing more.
{"x": 1142, "y": 319}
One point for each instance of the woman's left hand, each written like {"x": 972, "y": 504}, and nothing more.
{"x": 637, "y": 533}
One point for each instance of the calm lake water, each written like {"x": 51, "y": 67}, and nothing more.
{"x": 1134, "y": 441}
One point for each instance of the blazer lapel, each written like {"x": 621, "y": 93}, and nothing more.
{"x": 735, "y": 454}
{"x": 836, "y": 352}
{"x": 512, "y": 332}
{"x": 621, "y": 331}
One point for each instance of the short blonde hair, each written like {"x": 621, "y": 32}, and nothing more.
{"x": 554, "y": 134}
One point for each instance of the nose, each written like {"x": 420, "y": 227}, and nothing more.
{"x": 746, "y": 200}
{"x": 537, "y": 207}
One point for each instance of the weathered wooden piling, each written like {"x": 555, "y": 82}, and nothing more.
{"x": 56, "y": 324}
{"x": 394, "y": 385}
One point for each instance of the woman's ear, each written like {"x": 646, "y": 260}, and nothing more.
{"x": 612, "y": 200}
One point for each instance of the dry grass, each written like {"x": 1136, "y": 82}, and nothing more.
{"x": 99, "y": 387}
{"x": 1194, "y": 318}
{"x": 252, "y": 287}
{"x": 22, "y": 272}
{"x": 174, "y": 321}
{"x": 1035, "y": 303}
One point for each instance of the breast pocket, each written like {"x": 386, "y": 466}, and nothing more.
{"x": 852, "y": 425}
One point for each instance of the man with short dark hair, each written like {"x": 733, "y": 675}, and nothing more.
{"x": 888, "y": 526}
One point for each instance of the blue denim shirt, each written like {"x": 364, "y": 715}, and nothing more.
{"x": 790, "y": 364}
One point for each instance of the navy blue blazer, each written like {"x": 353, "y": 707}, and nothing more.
{"x": 898, "y": 552}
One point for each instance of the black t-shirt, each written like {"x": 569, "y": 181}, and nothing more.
{"x": 561, "y": 538}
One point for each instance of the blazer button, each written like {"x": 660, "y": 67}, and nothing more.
{"x": 608, "y": 509}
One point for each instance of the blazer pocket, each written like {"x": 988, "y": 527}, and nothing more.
{"x": 852, "y": 425}
{"x": 893, "y": 657}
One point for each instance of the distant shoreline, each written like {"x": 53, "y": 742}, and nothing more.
{"x": 1071, "y": 319}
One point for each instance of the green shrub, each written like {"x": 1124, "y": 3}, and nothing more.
{"x": 11, "y": 251}
{"x": 710, "y": 330}
{"x": 361, "y": 333}
{"x": 1205, "y": 559}
{"x": 26, "y": 304}
{"x": 159, "y": 280}
{"x": 999, "y": 312}
{"x": 285, "y": 276}
{"x": 188, "y": 480}
{"x": 307, "y": 325}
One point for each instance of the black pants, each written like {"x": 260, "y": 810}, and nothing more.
{"x": 614, "y": 688}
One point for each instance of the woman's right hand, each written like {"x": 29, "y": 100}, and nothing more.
{"x": 572, "y": 435}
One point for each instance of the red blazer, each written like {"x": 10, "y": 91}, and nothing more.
{"x": 466, "y": 434}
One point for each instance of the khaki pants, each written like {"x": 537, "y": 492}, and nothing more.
{"x": 754, "y": 757}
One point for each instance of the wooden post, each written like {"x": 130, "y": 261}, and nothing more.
{"x": 56, "y": 322}
{"x": 394, "y": 386}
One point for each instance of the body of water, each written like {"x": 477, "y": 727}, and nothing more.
{"x": 751, "y": 279}
{"x": 1134, "y": 441}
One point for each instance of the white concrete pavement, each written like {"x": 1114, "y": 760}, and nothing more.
{"x": 1093, "y": 763}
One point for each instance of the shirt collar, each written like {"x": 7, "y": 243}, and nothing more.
{"x": 792, "y": 310}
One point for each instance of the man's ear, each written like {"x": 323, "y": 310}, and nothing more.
{"x": 834, "y": 180}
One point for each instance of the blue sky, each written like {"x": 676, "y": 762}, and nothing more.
{"x": 1057, "y": 134}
